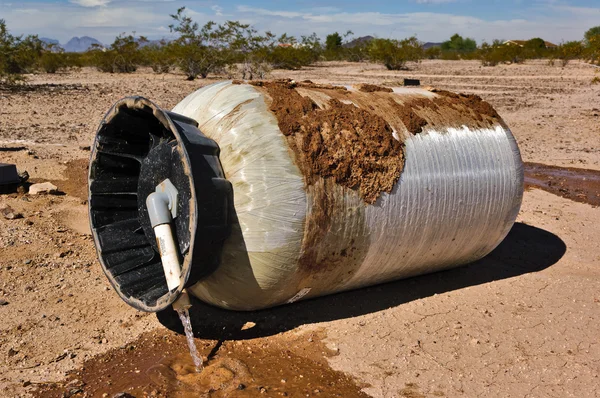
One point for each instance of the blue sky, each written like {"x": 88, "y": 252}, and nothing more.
{"x": 430, "y": 20}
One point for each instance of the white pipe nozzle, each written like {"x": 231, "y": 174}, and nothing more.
{"x": 162, "y": 208}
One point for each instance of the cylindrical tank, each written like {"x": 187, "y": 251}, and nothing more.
{"x": 334, "y": 188}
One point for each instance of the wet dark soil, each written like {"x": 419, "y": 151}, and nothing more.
{"x": 76, "y": 179}
{"x": 580, "y": 185}
{"x": 159, "y": 365}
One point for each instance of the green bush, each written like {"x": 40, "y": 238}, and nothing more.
{"x": 123, "y": 55}
{"x": 158, "y": 56}
{"x": 394, "y": 54}
{"x": 569, "y": 51}
{"x": 460, "y": 45}
{"x": 433, "y": 53}
{"x": 200, "y": 51}
{"x": 592, "y": 41}
{"x": 18, "y": 55}
{"x": 53, "y": 59}
{"x": 498, "y": 53}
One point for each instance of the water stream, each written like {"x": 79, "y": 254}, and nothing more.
{"x": 580, "y": 185}
{"x": 184, "y": 315}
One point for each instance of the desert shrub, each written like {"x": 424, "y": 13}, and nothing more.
{"x": 498, "y": 52}
{"x": 569, "y": 51}
{"x": 294, "y": 54}
{"x": 433, "y": 53}
{"x": 450, "y": 55}
{"x": 200, "y": 51}
{"x": 53, "y": 59}
{"x": 158, "y": 56}
{"x": 18, "y": 54}
{"x": 123, "y": 55}
{"x": 394, "y": 54}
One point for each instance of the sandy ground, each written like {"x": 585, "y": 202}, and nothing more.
{"x": 524, "y": 322}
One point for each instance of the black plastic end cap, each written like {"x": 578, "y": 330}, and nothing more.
{"x": 137, "y": 146}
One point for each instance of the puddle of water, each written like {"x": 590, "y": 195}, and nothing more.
{"x": 184, "y": 315}
{"x": 580, "y": 185}
{"x": 159, "y": 365}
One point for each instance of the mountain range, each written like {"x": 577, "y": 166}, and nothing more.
{"x": 75, "y": 45}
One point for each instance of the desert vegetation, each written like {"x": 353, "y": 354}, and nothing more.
{"x": 237, "y": 50}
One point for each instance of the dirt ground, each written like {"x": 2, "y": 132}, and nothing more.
{"x": 524, "y": 322}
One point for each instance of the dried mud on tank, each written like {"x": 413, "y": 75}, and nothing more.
{"x": 473, "y": 102}
{"x": 371, "y": 88}
{"x": 580, "y": 185}
{"x": 158, "y": 364}
{"x": 353, "y": 146}
{"x": 350, "y": 136}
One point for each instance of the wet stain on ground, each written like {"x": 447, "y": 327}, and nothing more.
{"x": 76, "y": 179}
{"x": 580, "y": 185}
{"x": 159, "y": 365}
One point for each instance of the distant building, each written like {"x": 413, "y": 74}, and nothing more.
{"x": 521, "y": 43}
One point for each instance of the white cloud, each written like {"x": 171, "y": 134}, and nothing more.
{"x": 91, "y": 3}
{"x": 218, "y": 10}
{"x": 262, "y": 11}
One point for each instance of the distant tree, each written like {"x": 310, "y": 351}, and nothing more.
{"x": 534, "y": 48}
{"x": 591, "y": 33}
{"x": 459, "y": 44}
{"x": 592, "y": 39}
{"x": 333, "y": 42}
{"x": 394, "y": 54}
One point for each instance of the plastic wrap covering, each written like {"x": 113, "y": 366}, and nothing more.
{"x": 456, "y": 199}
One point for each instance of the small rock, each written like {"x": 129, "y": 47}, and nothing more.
{"x": 10, "y": 214}
{"x": 24, "y": 175}
{"x": 104, "y": 341}
{"x": 3, "y": 302}
{"x": 12, "y": 352}
{"x": 123, "y": 395}
{"x": 27, "y": 262}
{"x": 248, "y": 325}
{"x": 85, "y": 147}
{"x": 45, "y": 187}
{"x": 26, "y": 383}
{"x": 72, "y": 391}
{"x": 76, "y": 383}
{"x": 241, "y": 387}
